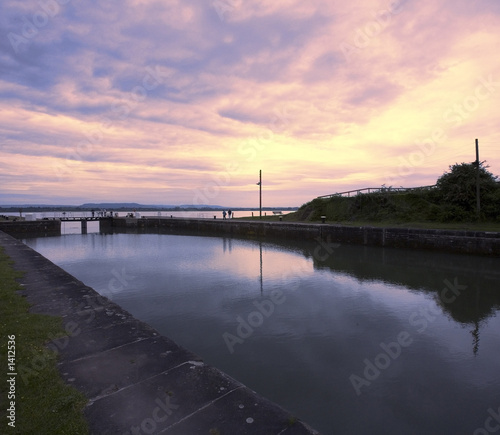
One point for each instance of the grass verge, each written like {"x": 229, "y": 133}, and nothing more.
{"x": 44, "y": 404}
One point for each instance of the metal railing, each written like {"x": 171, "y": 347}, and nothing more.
{"x": 381, "y": 189}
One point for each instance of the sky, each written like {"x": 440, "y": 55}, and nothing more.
{"x": 184, "y": 102}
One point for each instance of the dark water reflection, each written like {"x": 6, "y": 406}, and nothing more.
{"x": 326, "y": 314}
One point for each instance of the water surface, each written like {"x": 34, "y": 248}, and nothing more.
{"x": 351, "y": 339}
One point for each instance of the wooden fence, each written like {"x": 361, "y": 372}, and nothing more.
{"x": 377, "y": 190}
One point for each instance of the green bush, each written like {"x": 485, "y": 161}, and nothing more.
{"x": 490, "y": 205}
{"x": 458, "y": 187}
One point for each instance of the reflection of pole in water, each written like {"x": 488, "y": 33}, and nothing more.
{"x": 227, "y": 244}
{"x": 475, "y": 335}
{"x": 261, "y": 283}
{"x": 475, "y": 332}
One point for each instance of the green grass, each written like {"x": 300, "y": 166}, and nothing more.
{"x": 405, "y": 210}
{"x": 44, "y": 404}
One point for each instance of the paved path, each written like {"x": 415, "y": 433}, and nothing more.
{"x": 136, "y": 380}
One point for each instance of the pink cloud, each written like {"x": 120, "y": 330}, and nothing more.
{"x": 320, "y": 96}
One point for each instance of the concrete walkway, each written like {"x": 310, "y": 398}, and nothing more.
{"x": 137, "y": 381}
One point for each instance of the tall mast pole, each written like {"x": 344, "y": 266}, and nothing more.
{"x": 260, "y": 194}
{"x": 478, "y": 198}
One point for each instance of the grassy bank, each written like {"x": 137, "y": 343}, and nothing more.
{"x": 416, "y": 210}
{"x": 43, "y": 403}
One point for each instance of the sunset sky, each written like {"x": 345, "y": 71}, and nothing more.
{"x": 184, "y": 101}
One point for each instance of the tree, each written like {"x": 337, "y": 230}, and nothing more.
{"x": 458, "y": 187}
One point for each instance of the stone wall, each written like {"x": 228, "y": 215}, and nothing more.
{"x": 467, "y": 242}
{"x": 20, "y": 228}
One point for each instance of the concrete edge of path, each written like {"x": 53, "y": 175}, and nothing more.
{"x": 136, "y": 380}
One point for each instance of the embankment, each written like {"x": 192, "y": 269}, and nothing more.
{"x": 457, "y": 241}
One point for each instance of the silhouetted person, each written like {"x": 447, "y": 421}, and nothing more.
{"x": 229, "y": 213}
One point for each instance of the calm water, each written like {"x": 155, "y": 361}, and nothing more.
{"x": 353, "y": 340}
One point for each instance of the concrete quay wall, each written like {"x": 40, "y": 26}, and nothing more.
{"x": 50, "y": 227}
{"x": 457, "y": 241}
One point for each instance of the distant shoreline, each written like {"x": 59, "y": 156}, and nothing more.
{"x": 42, "y": 209}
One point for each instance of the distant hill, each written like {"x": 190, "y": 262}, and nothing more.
{"x": 117, "y": 205}
{"x": 136, "y": 206}
{"x": 126, "y": 206}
